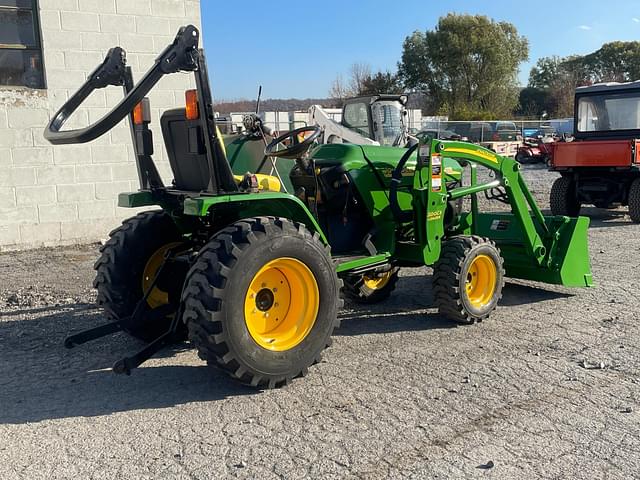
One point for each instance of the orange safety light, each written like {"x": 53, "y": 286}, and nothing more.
{"x": 191, "y": 98}
{"x": 141, "y": 112}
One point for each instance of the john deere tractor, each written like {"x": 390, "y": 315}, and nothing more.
{"x": 248, "y": 251}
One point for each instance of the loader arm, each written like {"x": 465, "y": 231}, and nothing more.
{"x": 551, "y": 249}
{"x": 522, "y": 203}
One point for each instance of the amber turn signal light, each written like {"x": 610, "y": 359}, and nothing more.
{"x": 141, "y": 112}
{"x": 191, "y": 98}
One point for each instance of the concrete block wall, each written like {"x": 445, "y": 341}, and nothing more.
{"x": 67, "y": 194}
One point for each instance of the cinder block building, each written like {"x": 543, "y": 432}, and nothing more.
{"x": 67, "y": 194}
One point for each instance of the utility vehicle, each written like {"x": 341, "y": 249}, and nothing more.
{"x": 251, "y": 270}
{"x": 601, "y": 166}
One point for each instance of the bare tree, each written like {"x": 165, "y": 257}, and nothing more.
{"x": 359, "y": 75}
{"x": 338, "y": 90}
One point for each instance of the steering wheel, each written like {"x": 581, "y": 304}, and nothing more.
{"x": 396, "y": 178}
{"x": 296, "y": 148}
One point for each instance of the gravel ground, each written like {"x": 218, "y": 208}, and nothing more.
{"x": 548, "y": 387}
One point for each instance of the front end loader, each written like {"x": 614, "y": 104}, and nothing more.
{"x": 251, "y": 266}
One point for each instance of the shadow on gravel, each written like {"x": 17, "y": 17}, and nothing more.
{"x": 403, "y": 311}
{"x": 40, "y": 379}
{"x": 366, "y": 322}
{"x": 514, "y": 294}
{"x": 606, "y": 218}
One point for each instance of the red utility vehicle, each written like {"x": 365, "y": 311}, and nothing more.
{"x": 538, "y": 150}
{"x": 601, "y": 166}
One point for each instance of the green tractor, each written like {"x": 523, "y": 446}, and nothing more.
{"x": 257, "y": 238}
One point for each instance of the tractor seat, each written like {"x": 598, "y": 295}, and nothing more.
{"x": 191, "y": 169}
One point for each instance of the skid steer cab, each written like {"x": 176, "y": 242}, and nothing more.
{"x": 250, "y": 248}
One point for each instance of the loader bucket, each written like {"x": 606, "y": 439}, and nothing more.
{"x": 567, "y": 259}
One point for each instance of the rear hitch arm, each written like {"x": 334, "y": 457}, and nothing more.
{"x": 140, "y": 314}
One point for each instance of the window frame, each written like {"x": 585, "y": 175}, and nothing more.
{"x": 364, "y": 130}
{"x": 603, "y": 134}
{"x": 37, "y": 47}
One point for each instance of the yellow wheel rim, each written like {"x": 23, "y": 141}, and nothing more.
{"x": 481, "y": 281}
{"x": 157, "y": 297}
{"x": 376, "y": 283}
{"x": 281, "y": 304}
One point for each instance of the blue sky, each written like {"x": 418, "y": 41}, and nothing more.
{"x": 296, "y": 49}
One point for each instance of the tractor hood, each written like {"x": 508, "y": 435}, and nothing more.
{"x": 382, "y": 159}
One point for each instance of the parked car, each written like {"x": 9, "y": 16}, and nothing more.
{"x": 543, "y": 131}
{"x": 439, "y": 134}
{"x": 474, "y": 131}
{"x": 506, "y": 132}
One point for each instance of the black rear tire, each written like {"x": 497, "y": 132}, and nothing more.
{"x": 216, "y": 299}
{"x": 120, "y": 268}
{"x": 563, "y": 200}
{"x": 370, "y": 289}
{"x": 634, "y": 200}
{"x": 454, "y": 273}
{"x": 523, "y": 158}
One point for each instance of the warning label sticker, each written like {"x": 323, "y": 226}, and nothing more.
{"x": 500, "y": 225}
{"x": 436, "y": 173}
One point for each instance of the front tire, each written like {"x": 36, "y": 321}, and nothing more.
{"x": 468, "y": 279}
{"x": 261, "y": 301}
{"x": 370, "y": 288}
{"x": 634, "y": 200}
{"x": 563, "y": 200}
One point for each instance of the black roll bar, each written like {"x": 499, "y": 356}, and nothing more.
{"x": 181, "y": 55}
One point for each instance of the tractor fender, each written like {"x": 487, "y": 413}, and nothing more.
{"x": 239, "y": 206}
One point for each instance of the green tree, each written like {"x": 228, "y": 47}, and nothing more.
{"x": 545, "y": 72}
{"x": 534, "y": 102}
{"x": 559, "y": 77}
{"x": 614, "y": 62}
{"x": 468, "y": 63}
{"x": 381, "y": 82}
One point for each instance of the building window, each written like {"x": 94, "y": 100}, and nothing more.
{"x": 20, "y": 50}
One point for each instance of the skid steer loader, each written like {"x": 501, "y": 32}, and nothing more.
{"x": 368, "y": 120}
{"x": 253, "y": 274}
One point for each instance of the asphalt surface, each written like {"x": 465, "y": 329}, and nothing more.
{"x": 548, "y": 387}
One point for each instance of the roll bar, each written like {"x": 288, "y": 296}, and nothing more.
{"x": 181, "y": 55}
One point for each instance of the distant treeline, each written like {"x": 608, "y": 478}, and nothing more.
{"x": 416, "y": 100}
{"x": 273, "y": 104}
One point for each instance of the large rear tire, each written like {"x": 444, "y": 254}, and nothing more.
{"x": 468, "y": 279}
{"x": 261, "y": 301}
{"x": 370, "y": 288}
{"x": 563, "y": 200}
{"x": 634, "y": 200}
{"x": 128, "y": 263}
